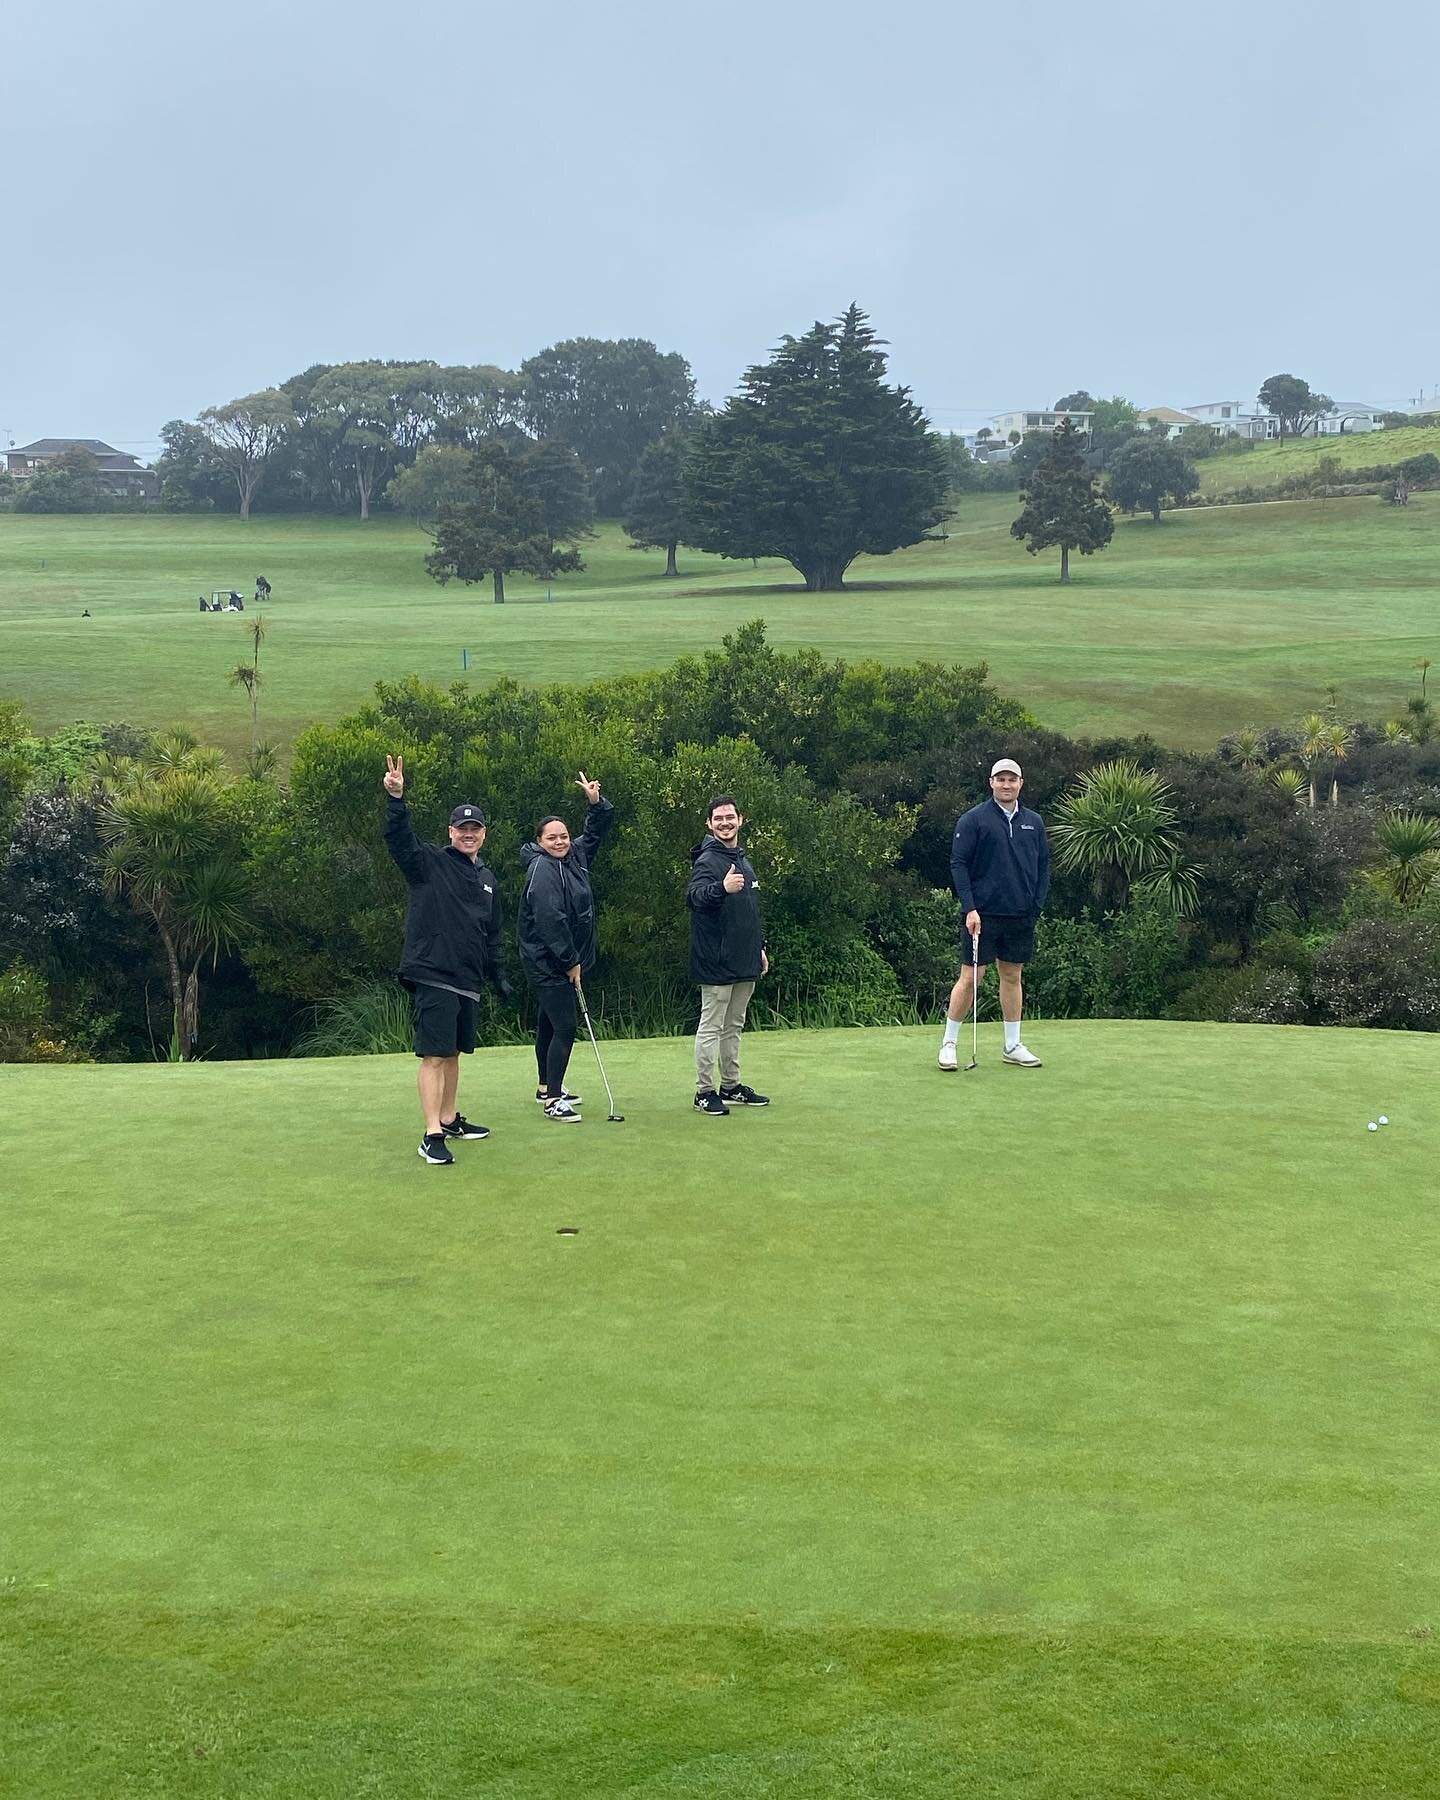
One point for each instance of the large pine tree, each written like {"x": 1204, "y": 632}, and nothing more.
{"x": 1061, "y": 503}
{"x": 817, "y": 460}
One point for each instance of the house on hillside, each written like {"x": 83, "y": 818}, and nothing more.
{"x": 120, "y": 472}
{"x": 1026, "y": 422}
{"x": 1346, "y": 416}
{"x": 1231, "y": 418}
{"x": 1173, "y": 421}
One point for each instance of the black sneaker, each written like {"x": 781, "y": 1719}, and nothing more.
{"x": 543, "y": 1099}
{"x": 740, "y": 1095}
{"x": 460, "y": 1127}
{"x": 562, "y": 1112}
{"x": 434, "y": 1148}
{"x": 711, "y": 1105}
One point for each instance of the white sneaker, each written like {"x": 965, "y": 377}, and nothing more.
{"x": 946, "y": 1058}
{"x": 1021, "y": 1058}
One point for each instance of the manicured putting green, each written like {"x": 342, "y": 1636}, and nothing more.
{"x": 1189, "y": 629}
{"x": 1066, "y": 1432}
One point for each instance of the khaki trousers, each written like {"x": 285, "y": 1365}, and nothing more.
{"x": 722, "y": 1018}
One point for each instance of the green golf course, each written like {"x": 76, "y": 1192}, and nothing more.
{"x": 1188, "y": 629}
{"x": 1057, "y": 1433}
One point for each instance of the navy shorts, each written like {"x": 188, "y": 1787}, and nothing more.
{"x": 444, "y": 1022}
{"x": 1003, "y": 938}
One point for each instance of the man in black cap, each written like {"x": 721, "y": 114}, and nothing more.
{"x": 452, "y": 943}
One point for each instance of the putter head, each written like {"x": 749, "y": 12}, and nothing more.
{"x": 616, "y": 1119}
{"x": 972, "y": 1064}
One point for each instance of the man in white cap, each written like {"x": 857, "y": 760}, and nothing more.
{"x": 1000, "y": 866}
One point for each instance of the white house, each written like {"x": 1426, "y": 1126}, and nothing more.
{"x": 1174, "y": 422}
{"x": 1347, "y": 416}
{"x": 1026, "y": 422}
{"x": 1231, "y": 418}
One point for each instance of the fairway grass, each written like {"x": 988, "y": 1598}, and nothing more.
{"x": 1054, "y": 1433}
{"x": 1211, "y": 620}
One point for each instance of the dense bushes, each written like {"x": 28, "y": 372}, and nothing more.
{"x": 851, "y": 776}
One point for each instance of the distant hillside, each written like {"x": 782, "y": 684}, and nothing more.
{"x": 1268, "y": 464}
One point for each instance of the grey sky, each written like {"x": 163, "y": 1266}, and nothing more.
{"x": 1170, "y": 203}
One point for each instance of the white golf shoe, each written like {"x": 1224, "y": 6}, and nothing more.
{"x": 946, "y": 1058}
{"x": 1022, "y": 1058}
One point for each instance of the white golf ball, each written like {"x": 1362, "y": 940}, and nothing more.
{"x": 1372, "y": 1126}
{"x": 1383, "y": 1119}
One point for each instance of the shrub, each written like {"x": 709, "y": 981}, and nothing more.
{"x": 1381, "y": 972}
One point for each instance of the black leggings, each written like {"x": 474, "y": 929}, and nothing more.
{"x": 555, "y": 1034}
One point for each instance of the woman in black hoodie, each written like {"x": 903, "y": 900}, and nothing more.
{"x": 557, "y": 939}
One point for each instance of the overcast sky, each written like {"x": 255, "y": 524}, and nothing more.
{"x": 1165, "y": 202}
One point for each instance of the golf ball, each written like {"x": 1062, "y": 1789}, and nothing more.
{"x": 1383, "y": 1119}
{"x": 1372, "y": 1126}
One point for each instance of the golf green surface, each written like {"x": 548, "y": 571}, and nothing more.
{"x": 1188, "y": 629}
{"x": 1067, "y": 1432}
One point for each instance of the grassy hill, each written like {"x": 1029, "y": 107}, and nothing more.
{"x": 1053, "y": 1434}
{"x": 1209, "y": 621}
{"x": 1268, "y": 464}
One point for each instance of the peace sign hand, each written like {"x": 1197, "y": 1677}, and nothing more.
{"x": 395, "y": 776}
{"x": 592, "y": 788}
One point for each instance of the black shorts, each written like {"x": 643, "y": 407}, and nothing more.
{"x": 1003, "y": 938}
{"x": 444, "y": 1022}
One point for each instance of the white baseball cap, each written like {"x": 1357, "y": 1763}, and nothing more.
{"x": 1006, "y": 766}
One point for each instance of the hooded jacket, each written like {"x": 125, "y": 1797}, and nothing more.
{"x": 727, "y": 932}
{"x": 557, "y": 907}
{"x": 452, "y": 920}
{"x": 1000, "y": 864}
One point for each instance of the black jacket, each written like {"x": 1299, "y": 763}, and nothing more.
{"x": 727, "y": 933}
{"x": 557, "y": 907}
{"x": 452, "y": 922}
{"x": 1000, "y": 865}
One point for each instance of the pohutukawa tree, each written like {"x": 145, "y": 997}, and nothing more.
{"x": 1062, "y": 507}
{"x": 817, "y": 460}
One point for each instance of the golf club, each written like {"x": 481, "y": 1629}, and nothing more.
{"x": 614, "y": 1118}
{"x": 974, "y": 1001}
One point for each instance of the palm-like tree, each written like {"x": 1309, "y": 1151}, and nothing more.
{"x": 247, "y": 676}
{"x": 1116, "y": 825}
{"x": 1395, "y": 732}
{"x": 1314, "y": 745}
{"x": 1338, "y": 739}
{"x": 1420, "y": 719}
{"x": 1411, "y": 845}
{"x": 1247, "y": 748}
{"x": 170, "y": 849}
{"x": 1291, "y": 783}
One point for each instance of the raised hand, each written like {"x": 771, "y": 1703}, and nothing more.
{"x": 592, "y": 788}
{"x": 395, "y": 776}
{"x": 734, "y": 881}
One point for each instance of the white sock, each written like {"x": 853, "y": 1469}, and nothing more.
{"x": 952, "y": 1031}
{"x": 1012, "y": 1034}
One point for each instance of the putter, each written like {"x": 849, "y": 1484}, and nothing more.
{"x": 974, "y": 1001}
{"x": 615, "y": 1118}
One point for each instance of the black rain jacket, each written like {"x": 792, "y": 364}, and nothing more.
{"x": 727, "y": 932}
{"x": 999, "y": 864}
{"x": 557, "y": 906}
{"x": 452, "y": 921}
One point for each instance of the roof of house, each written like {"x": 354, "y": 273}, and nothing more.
{"x": 1355, "y": 406}
{"x": 55, "y": 446}
{"x": 1167, "y": 415}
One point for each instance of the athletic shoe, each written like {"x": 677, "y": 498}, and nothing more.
{"x": 542, "y": 1098}
{"x": 712, "y": 1106}
{"x": 434, "y": 1148}
{"x": 460, "y": 1127}
{"x": 740, "y": 1095}
{"x": 947, "y": 1058}
{"x": 562, "y": 1112}
{"x": 1021, "y": 1058}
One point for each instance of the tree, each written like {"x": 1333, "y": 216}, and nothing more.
{"x": 438, "y": 477}
{"x": 1338, "y": 739}
{"x": 170, "y": 840}
{"x": 1117, "y": 826}
{"x": 190, "y": 470}
{"x": 247, "y": 676}
{"x": 1115, "y": 422}
{"x": 1148, "y": 471}
{"x": 608, "y": 400}
{"x": 1195, "y": 441}
{"x": 379, "y": 413}
{"x": 1328, "y": 472}
{"x": 1410, "y": 843}
{"x": 72, "y": 483}
{"x": 553, "y": 473}
{"x": 984, "y": 435}
{"x": 502, "y": 527}
{"x": 1079, "y": 401}
{"x": 245, "y": 434}
{"x": 817, "y": 460}
{"x": 1314, "y": 746}
{"x": 1289, "y": 399}
{"x": 1030, "y": 452}
{"x": 1061, "y": 504}
{"x": 656, "y": 518}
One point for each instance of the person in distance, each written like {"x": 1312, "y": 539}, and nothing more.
{"x": 727, "y": 956}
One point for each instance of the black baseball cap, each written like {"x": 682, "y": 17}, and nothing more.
{"x": 467, "y": 815}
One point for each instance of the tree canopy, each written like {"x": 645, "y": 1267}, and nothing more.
{"x": 515, "y": 512}
{"x": 1148, "y": 471}
{"x": 1290, "y": 400}
{"x": 655, "y": 518}
{"x": 1061, "y": 505}
{"x": 817, "y": 460}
